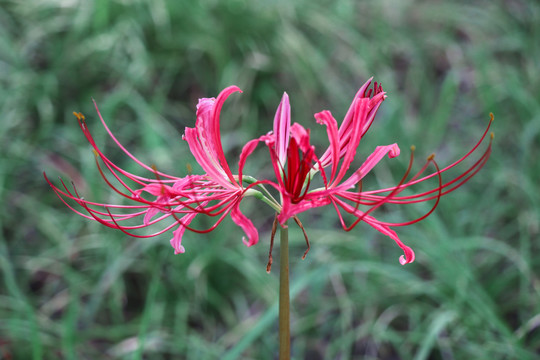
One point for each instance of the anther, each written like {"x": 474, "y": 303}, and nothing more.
{"x": 80, "y": 118}
{"x": 79, "y": 115}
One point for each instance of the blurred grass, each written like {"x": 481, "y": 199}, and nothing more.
{"x": 73, "y": 290}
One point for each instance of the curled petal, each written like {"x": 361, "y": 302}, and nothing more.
{"x": 176, "y": 241}
{"x": 150, "y": 213}
{"x": 409, "y": 253}
{"x": 377, "y": 225}
{"x": 326, "y": 118}
{"x": 204, "y": 111}
{"x": 246, "y": 224}
{"x": 301, "y": 136}
{"x": 205, "y": 139}
{"x": 246, "y": 151}
{"x": 215, "y": 133}
{"x": 204, "y": 127}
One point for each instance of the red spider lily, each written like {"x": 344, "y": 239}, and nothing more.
{"x": 216, "y": 194}
{"x": 295, "y": 164}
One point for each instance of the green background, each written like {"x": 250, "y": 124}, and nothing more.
{"x": 72, "y": 289}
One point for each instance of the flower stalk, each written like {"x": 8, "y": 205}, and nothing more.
{"x": 284, "y": 297}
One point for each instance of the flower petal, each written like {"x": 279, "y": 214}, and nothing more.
{"x": 301, "y": 136}
{"x": 176, "y": 241}
{"x": 282, "y": 124}
{"x": 246, "y": 224}
{"x": 246, "y": 151}
{"x": 326, "y": 118}
{"x": 374, "y": 105}
{"x": 372, "y": 160}
{"x": 409, "y": 253}
{"x": 150, "y": 213}
{"x": 209, "y": 164}
{"x": 215, "y": 132}
{"x": 359, "y": 118}
{"x": 289, "y": 209}
{"x": 347, "y": 126}
{"x": 205, "y": 139}
{"x": 156, "y": 189}
{"x": 204, "y": 126}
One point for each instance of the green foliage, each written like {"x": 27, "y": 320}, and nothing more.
{"x": 71, "y": 289}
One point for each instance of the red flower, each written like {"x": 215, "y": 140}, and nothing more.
{"x": 295, "y": 164}
{"x": 216, "y": 193}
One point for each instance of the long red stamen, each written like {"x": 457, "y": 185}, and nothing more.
{"x": 383, "y": 200}
{"x": 272, "y": 235}
{"x": 297, "y": 220}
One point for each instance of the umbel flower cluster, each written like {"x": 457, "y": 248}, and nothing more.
{"x": 164, "y": 202}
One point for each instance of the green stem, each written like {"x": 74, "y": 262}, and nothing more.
{"x": 284, "y": 300}
{"x": 257, "y": 194}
